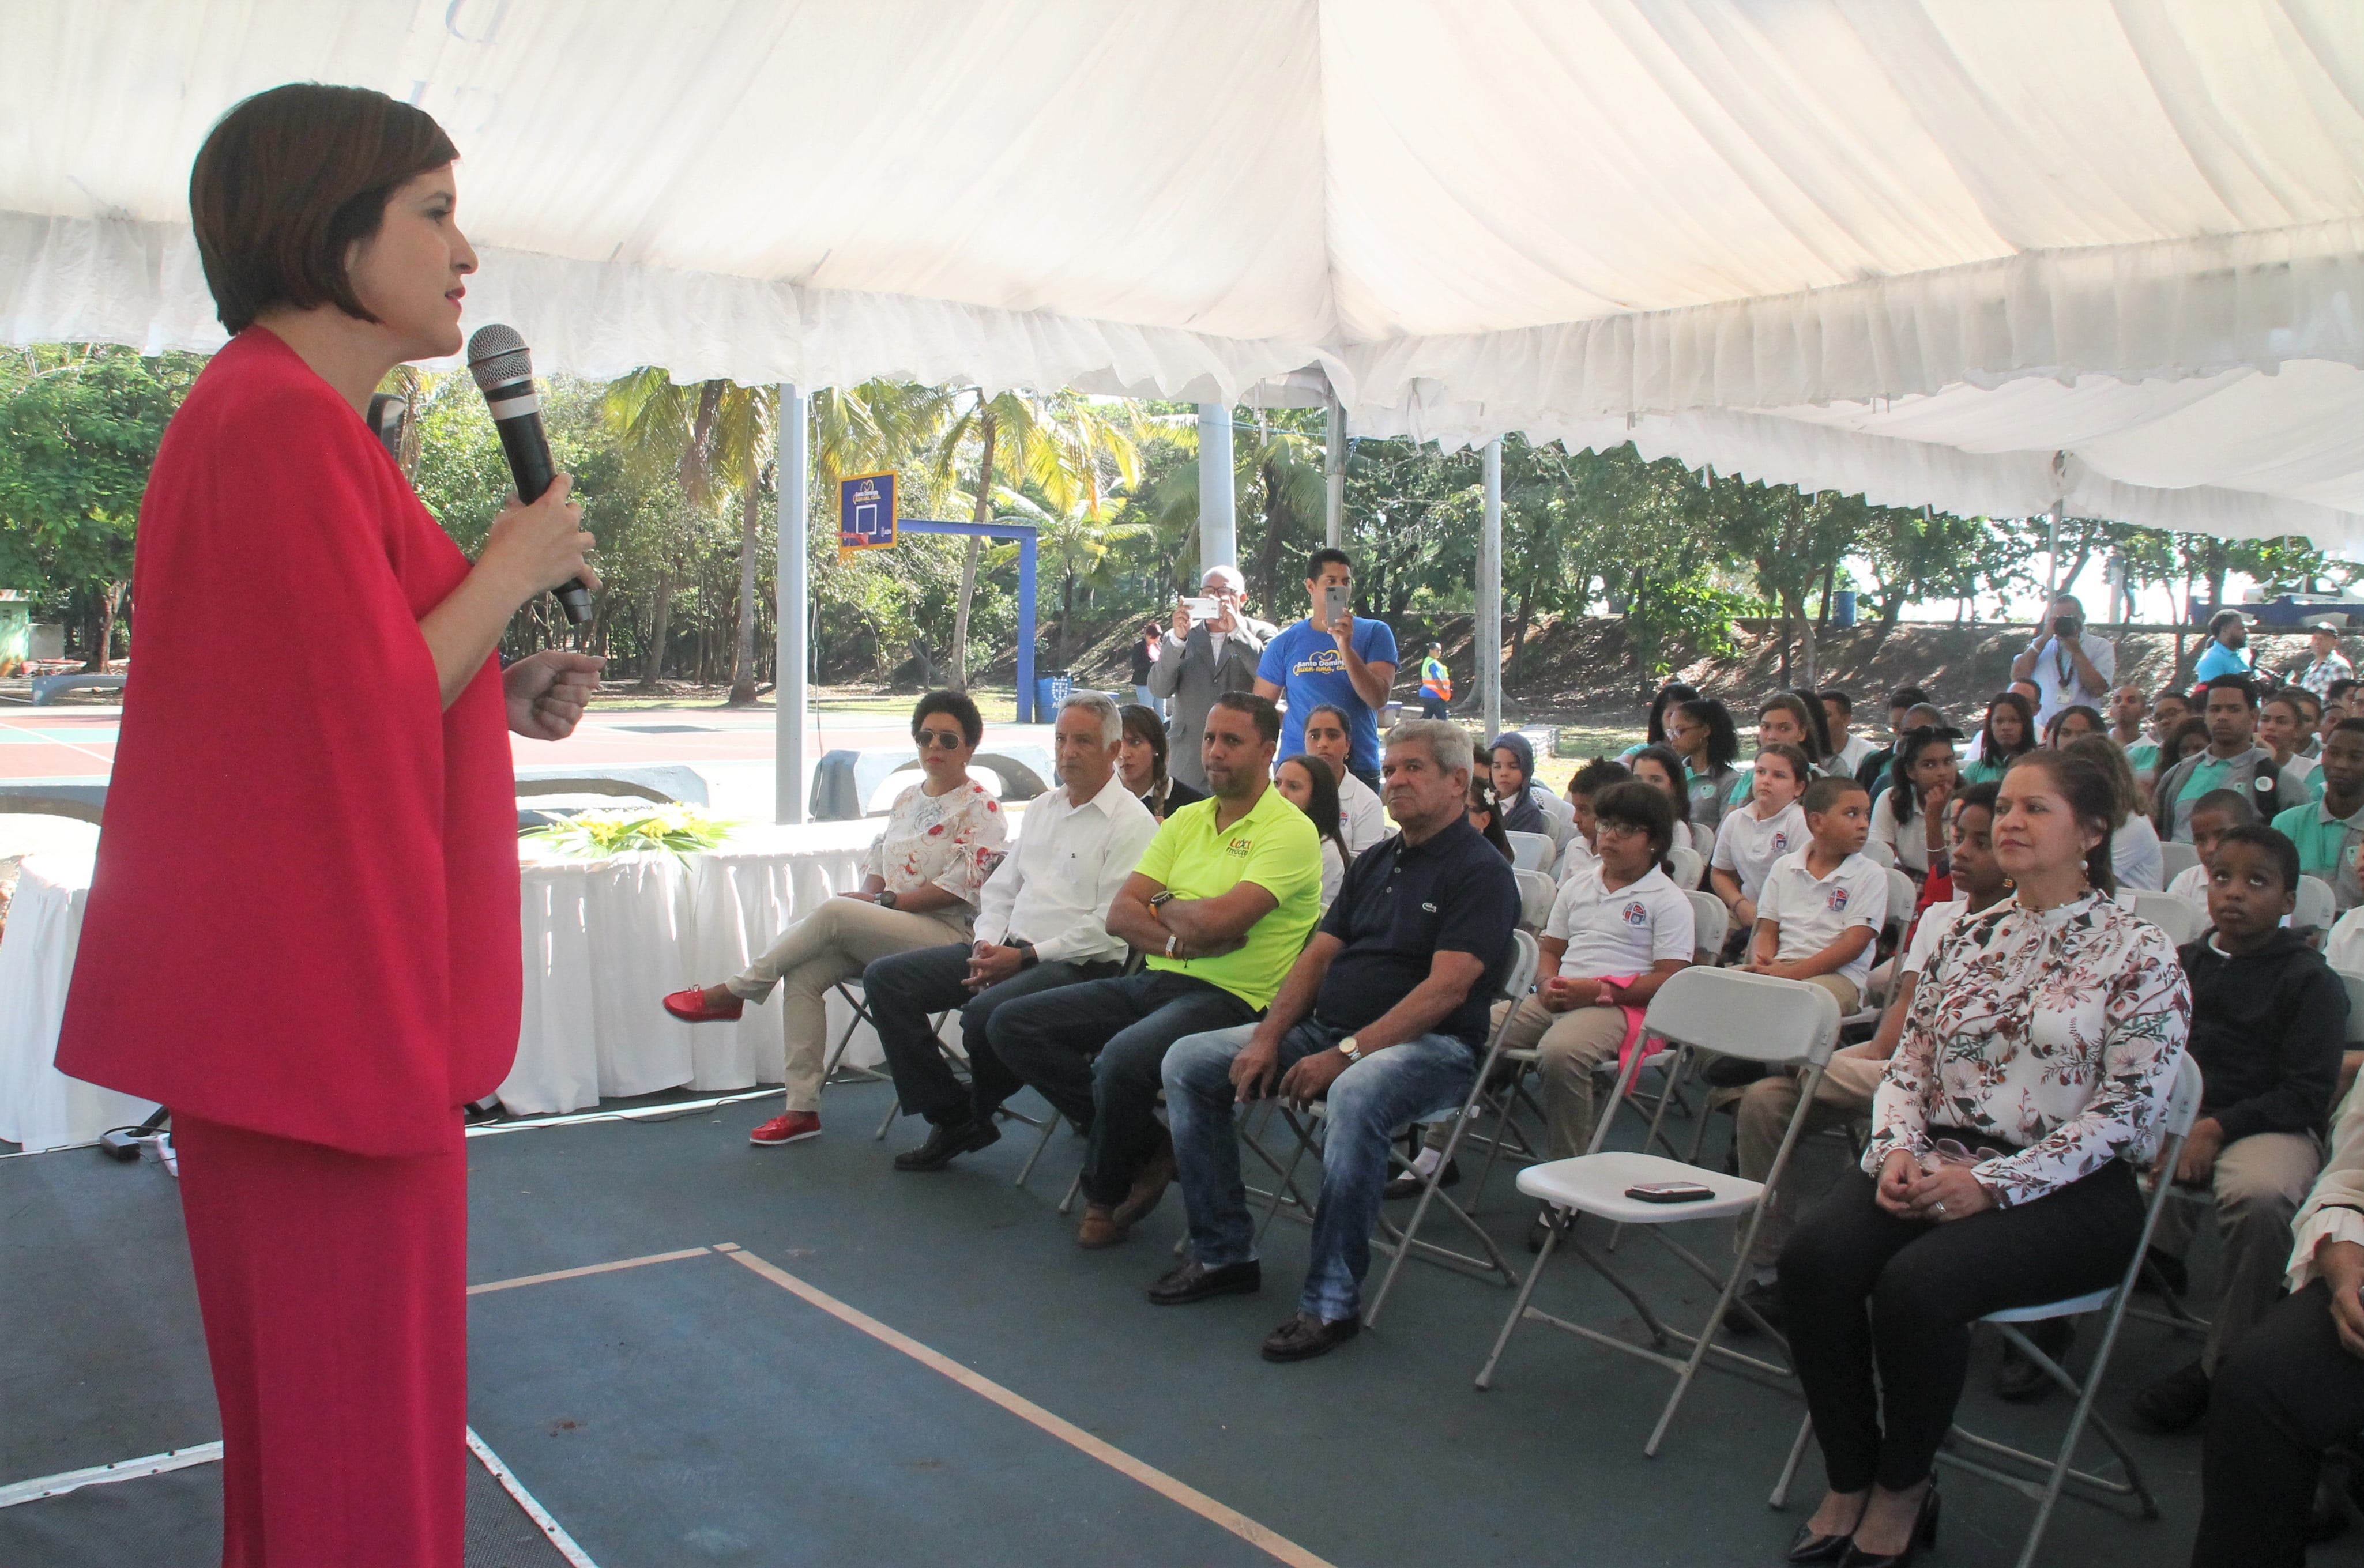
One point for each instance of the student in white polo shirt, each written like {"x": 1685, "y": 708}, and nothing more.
{"x": 1823, "y": 906}
{"x": 1754, "y": 836}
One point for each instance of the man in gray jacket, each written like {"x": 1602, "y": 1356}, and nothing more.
{"x": 1202, "y": 659}
{"x": 2232, "y": 761}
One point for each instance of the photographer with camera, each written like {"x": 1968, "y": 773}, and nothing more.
{"x": 2066, "y": 664}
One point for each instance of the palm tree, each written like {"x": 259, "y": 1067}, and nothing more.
{"x": 1055, "y": 441}
{"x": 1078, "y": 541}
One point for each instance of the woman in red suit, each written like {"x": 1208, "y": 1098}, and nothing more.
{"x": 303, "y": 932}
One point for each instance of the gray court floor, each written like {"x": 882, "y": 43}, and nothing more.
{"x": 698, "y": 1411}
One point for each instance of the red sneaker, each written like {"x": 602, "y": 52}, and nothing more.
{"x": 790, "y": 1129}
{"x": 692, "y": 1007}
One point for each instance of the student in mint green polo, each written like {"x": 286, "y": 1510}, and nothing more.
{"x": 2329, "y": 832}
{"x": 2232, "y": 760}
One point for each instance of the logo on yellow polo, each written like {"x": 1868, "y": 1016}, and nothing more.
{"x": 1240, "y": 847}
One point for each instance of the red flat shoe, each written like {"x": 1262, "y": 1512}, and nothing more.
{"x": 793, "y": 1128}
{"x": 692, "y": 1007}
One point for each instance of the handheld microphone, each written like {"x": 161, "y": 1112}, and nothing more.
{"x": 498, "y": 359}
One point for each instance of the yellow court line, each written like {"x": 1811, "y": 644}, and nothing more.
{"x": 491, "y": 1285}
{"x": 1156, "y": 1480}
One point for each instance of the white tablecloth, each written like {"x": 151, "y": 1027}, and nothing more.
{"x": 603, "y": 941}
{"x": 40, "y": 1107}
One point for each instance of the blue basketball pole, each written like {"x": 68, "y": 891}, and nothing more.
{"x": 1024, "y": 534}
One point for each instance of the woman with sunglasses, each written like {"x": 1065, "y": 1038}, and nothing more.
{"x": 942, "y": 839}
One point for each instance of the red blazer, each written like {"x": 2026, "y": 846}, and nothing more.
{"x": 305, "y": 916}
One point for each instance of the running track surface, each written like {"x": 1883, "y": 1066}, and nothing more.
{"x": 78, "y": 744}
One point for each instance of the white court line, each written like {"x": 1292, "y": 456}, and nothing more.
{"x": 491, "y": 1285}
{"x": 1271, "y": 1541}
{"x": 58, "y": 1485}
{"x": 636, "y": 1113}
{"x": 526, "y": 1500}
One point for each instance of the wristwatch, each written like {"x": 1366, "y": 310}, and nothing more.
{"x": 1026, "y": 956}
{"x": 1349, "y": 1049}
{"x": 1160, "y": 898}
{"x": 887, "y": 898}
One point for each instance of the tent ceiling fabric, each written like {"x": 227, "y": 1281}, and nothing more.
{"x": 1913, "y": 248}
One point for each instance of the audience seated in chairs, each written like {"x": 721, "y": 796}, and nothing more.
{"x": 2269, "y": 1028}
{"x": 1663, "y": 771}
{"x": 2294, "y": 1384}
{"x": 1855, "y": 1071}
{"x": 2136, "y": 858}
{"x": 1702, "y": 734}
{"x": 2213, "y": 815}
{"x": 2329, "y": 831}
{"x": 1041, "y": 922}
{"x": 1361, "y": 822}
{"x": 1907, "y": 815}
{"x": 1384, "y": 1015}
{"x": 1618, "y": 928}
{"x": 1587, "y": 782}
{"x": 1821, "y": 907}
{"x": 1484, "y": 813}
{"x": 2232, "y": 761}
{"x": 1755, "y": 836}
{"x": 1312, "y": 788}
{"x": 2043, "y": 1041}
{"x": 1221, "y": 903}
{"x": 924, "y": 871}
{"x": 1511, "y": 762}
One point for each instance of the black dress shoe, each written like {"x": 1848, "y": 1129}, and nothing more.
{"x": 1407, "y": 1185}
{"x": 1304, "y": 1336}
{"x": 945, "y": 1142}
{"x": 1807, "y": 1546}
{"x": 1925, "y": 1533}
{"x": 1194, "y": 1281}
{"x": 1765, "y": 1300}
{"x": 2173, "y": 1402}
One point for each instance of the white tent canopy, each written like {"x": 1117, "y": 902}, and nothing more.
{"x": 1977, "y": 254}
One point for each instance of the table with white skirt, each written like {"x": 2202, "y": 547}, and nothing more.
{"x": 604, "y": 941}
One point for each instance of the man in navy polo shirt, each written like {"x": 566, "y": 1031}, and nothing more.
{"x": 1349, "y": 664}
{"x": 1384, "y": 1016}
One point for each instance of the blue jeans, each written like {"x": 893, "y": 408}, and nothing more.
{"x": 1418, "y": 1080}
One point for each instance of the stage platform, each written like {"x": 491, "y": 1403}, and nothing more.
{"x": 690, "y": 1350}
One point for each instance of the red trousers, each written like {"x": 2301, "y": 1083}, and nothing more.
{"x": 334, "y": 1289}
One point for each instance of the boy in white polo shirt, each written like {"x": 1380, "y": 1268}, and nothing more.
{"x": 1822, "y": 906}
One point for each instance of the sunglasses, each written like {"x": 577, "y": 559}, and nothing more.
{"x": 944, "y": 740}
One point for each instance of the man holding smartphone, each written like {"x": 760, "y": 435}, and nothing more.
{"x": 1213, "y": 649}
{"x": 2066, "y": 662}
{"x": 1332, "y": 657}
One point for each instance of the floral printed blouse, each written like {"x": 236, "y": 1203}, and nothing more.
{"x": 2060, "y": 1031}
{"x": 951, "y": 841}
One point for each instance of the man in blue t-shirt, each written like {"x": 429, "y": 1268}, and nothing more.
{"x": 1349, "y": 664}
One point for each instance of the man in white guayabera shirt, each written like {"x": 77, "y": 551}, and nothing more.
{"x": 1042, "y": 920}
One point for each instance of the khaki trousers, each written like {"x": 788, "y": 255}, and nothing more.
{"x": 1569, "y": 1045}
{"x": 834, "y": 943}
{"x": 1765, "y": 1107}
{"x": 2259, "y": 1183}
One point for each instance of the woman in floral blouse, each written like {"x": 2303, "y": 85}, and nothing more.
{"x": 2033, "y": 1074}
{"x": 943, "y": 836}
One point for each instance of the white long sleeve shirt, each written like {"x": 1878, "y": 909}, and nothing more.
{"x": 1055, "y": 888}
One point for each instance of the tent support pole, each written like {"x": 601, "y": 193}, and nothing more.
{"x": 1218, "y": 517}
{"x": 2052, "y": 584}
{"x": 1487, "y": 654}
{"x": 794, "y": 653}
{"x": 1333, "y": 529}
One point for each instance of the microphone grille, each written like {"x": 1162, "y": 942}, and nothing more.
{"x": 498, "y": 357}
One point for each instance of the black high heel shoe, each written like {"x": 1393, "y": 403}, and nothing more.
{"x": 1925, "y": 1533}
{"x": 1807, "y": 1546}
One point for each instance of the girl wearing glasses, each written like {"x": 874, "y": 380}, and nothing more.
{"x": 943, "y": 838}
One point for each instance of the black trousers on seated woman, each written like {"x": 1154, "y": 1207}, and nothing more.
{"x": 2286, "y": 1393}
{"x": 1862, "y": 1288}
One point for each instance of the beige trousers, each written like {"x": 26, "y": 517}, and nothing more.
{"x": 835, "y": 942}
{"x": 2260, "y": 1182}
{"x": 1765, "y": 1107}
{"x": 1568, "y": 1046}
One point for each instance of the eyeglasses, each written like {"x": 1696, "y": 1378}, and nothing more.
{"x": 945, "y": 740}
{"x": 1620, "y": 831}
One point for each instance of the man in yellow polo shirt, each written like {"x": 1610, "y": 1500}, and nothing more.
{"x": 1222, "y": 904}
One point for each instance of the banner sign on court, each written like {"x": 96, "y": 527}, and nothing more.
{"x": 865, "y": 512}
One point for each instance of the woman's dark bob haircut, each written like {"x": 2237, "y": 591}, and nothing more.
{"x": 289, "y": 180}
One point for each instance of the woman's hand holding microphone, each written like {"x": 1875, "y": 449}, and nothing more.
{"x": 540, "y": 545}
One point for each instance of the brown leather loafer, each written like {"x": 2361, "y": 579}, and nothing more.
{"x": 1099, "y": 1227}
{"x": 1194, "y": 1281}
{"x": 1304, "y": 1336}
{"x": 1147, "y": 1188}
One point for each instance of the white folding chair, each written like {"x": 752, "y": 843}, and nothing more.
{"x": 1516, "y": 980}
{"x": 1536, "y": 891}
{"x": 1531, "y": 851}
{"x": 1879, "y": 854}
{"x": 1711, "y": 925}
{"x": 2175, "y": 859}
{"x": 2183, "y": 1108}
{"x": 2317, "y": 907}
{"x": 2179, "y": 917}
{"x": 1689, "y": 867}
{"x": 1782, "y": 1023}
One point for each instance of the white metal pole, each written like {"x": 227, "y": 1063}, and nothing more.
{"x": 1489, "y": 651}
{"x": 1333, "y": 532}
{"x": 1217, "y": 519}
{"x": 2052, "y": 584}
{"x": 794, "y": 656}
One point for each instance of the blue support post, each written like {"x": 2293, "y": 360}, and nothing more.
{"x": 1024, "y": 534}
